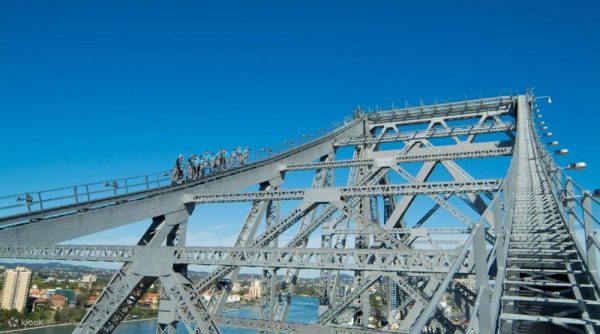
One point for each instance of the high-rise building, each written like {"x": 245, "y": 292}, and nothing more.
{"x": 16, "y": 288}
{"x": 87, "y": 281}
{"x": 255, "y": 289}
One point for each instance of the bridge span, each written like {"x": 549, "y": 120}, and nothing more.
{"x": 454, "y": 215}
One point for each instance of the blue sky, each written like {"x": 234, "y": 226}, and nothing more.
{"x": 96, "y": 90}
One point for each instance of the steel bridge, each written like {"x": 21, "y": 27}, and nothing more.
{"x": 447, "y": 252}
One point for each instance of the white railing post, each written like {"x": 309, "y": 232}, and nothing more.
{"x": 588, "y": 224}
{"x": 570, "y": 204}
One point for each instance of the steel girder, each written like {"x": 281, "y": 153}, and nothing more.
{"x": 324, "y": 195}
{"x": 323, "y": 178}
{"x": 58, "y": 223}
{"x": 130, "y": 283}
{"x": 249, "y": 228}
{"x": 420, "y": 155}
{"x": 430, "y": 133}
{"x": 306, "y": 258}
{"x": 457, "y": 110}
{"x": 285, "y": 223}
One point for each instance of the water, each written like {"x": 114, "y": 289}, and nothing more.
{"x": 303, "y": 310}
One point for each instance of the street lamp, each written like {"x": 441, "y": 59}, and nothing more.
{"x": 576, "y": 165}
{"x": 542, "y": 123}
{"x": 573, "y": 166}
{"x": 547, "y": 97}
{"x": 562, "y": 151}
{"x": 548, "y": 134}
{"x": 596, "y": 193}
{"x": 553, "y": 143}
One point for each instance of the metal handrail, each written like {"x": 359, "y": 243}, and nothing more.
{"x": 40, "y": 201}
{"x": 577, "y": 210}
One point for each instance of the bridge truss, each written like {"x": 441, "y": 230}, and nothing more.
{"x": 400, "y": 214}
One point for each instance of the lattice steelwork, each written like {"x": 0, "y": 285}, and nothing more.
{"x": 415, "y": 237}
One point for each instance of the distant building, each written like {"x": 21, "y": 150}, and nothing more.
{"x": 34, "y": 292}
{"x": 233, "y": 299}
{"x": 237, "y": 287}
{"x": 16, "y": 288}
{"x": 58, "y": 301}
{"x": 255, "y": 289}
{"x": 90, "y": 300}
{"x": 48, "y": 293}
{"x": 150, "y": 300}
{"x": 342, "y": 291}
{"x": 87, "y": 281}
{"x": 469, "y": 282}
{"x": 38, "y": 304}
{"x": 68, "y": 294}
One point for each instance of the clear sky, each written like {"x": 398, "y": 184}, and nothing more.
{"x": 96, "y": 90}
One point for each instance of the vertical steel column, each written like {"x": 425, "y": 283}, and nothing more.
{"x": 482, "y": 278}
{"x": 167, "y": 314}
{"x": 269, "y": 276}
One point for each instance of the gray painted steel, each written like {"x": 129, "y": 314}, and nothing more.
{"x": 516, "y": 239}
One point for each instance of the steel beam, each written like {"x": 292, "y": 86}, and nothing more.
{"x": 462, "y": 109}
{"x": 305, "y": 258}
{"x": 419, "y": 156}
{"x": 325, "y": 195}
{"x": 429, "y": 133}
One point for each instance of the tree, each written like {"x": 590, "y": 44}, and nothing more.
{"x": 72, "y": 286}
{"x": 37, "y": 315}
{"x": 6, "y": 315}
{"x": 80, "y": 300}
{"x": 57, "y": 315}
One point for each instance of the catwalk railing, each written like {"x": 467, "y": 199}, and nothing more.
{"x": 578, "y": 208}
{"x": 43, "y": 202}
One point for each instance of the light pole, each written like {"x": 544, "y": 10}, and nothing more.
{"x": 547, "y": 97}
{"x": 572, "y": 166}
{"x": 562, "y": 151}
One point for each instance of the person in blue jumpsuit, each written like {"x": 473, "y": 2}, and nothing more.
{"x": 224, "y": 159}
{"x": 177, "y": 174}
{"x": 245, "y": 155}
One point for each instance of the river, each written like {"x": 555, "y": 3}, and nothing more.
{"x": 303, "y": 309}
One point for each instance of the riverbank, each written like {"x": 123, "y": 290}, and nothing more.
{"x": 302, "y": 310}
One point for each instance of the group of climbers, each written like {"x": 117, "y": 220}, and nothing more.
{"x": 209, "y": 163}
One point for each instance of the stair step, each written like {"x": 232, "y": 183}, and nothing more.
{"x": 542, "y": 300}
{"x": 556, "y": 320}
{"x": 544, "y": 271}
{"x": 548, "y": 284}
{"x": 543, "y": 260}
